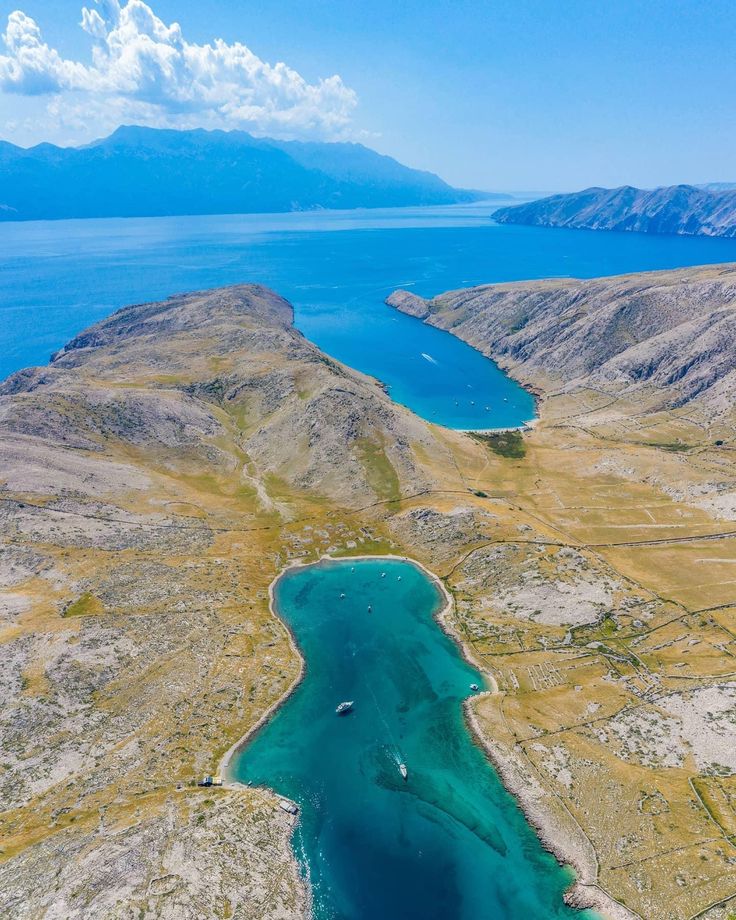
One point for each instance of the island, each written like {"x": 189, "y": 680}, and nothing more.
{"x": 681, "y": 209}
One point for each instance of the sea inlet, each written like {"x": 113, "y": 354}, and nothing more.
{"x": 445, "y": 842}
{"x": 336, "y": 268}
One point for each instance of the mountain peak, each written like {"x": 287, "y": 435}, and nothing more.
{"x": 139, "y": 171}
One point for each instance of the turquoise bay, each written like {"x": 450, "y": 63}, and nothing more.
{"x": 449, "y": 842}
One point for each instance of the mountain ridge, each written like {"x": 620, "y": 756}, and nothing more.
{"x": 680, "y": 209}
{"x": 145, "y": 172}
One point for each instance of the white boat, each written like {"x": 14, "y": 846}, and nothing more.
{"x": 344, "y": 707}
{"x": 474, "y": 687}
{"x": 404, "y": 772}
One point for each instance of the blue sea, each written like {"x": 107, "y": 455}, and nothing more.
{"x": 57, "y": 277}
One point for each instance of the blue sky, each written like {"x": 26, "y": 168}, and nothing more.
{"x": 523, "y": 94}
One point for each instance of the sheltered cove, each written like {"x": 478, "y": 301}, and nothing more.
{"x": 242, "y": 743}
{"x": 584, "y": 892}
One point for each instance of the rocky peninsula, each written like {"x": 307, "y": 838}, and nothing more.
{"x": 682, "y": 209}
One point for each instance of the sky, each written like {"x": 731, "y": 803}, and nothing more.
{"x": 493, "y": 94}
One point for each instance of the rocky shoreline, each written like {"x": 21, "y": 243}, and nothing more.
{"x": 281, "y": 454}
{"x": 238, "y": 746}
{"x": 685, "y": 210}
{"x": 568, "y": 844}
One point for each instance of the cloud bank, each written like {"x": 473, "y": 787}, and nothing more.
{"x": 142, "y": 69}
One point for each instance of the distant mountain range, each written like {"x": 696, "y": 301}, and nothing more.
{"x": 683, "y": 209}
{"x": 147, "y": 171}
{"x": 718, "y": 186}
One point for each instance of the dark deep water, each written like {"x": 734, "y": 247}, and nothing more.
{"x": 56, "y": 277}
{"x": 447, "y": 844}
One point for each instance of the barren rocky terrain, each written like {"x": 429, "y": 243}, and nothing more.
{"x": 660, "y": 336}
{"x": 146, "y": 476}
{"x": 156, "y": 477}
{"x": 684, "y": 209}
{"x": 607, "y": 619}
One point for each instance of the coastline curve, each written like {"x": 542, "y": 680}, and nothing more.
{"x": 584, "y": 892}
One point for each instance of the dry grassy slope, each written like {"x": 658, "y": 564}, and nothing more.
{"x": 150, "y": 478}
{"x": 609, "y": 619}
{"x": 159, "y": 474}
{"x": 199, "y": 357}
{"x": 671, "y": 332}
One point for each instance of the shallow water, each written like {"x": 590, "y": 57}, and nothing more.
{"x": 335, "y": 267}
{"x": 449, "y": 842}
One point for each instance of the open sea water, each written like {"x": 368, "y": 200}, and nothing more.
{"x": 336, "y": 267}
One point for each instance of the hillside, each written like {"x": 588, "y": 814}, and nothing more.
{"x": 664, "y": 335}
{"x": 171, "y": 460}
{"x": 147, "y": 172}
{"x": 601, "y": 704}
{"x": 153, "y": 479}
{"x": 683, "y": 209}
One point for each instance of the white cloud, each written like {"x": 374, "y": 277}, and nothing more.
{"x": 143, "y": 69}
